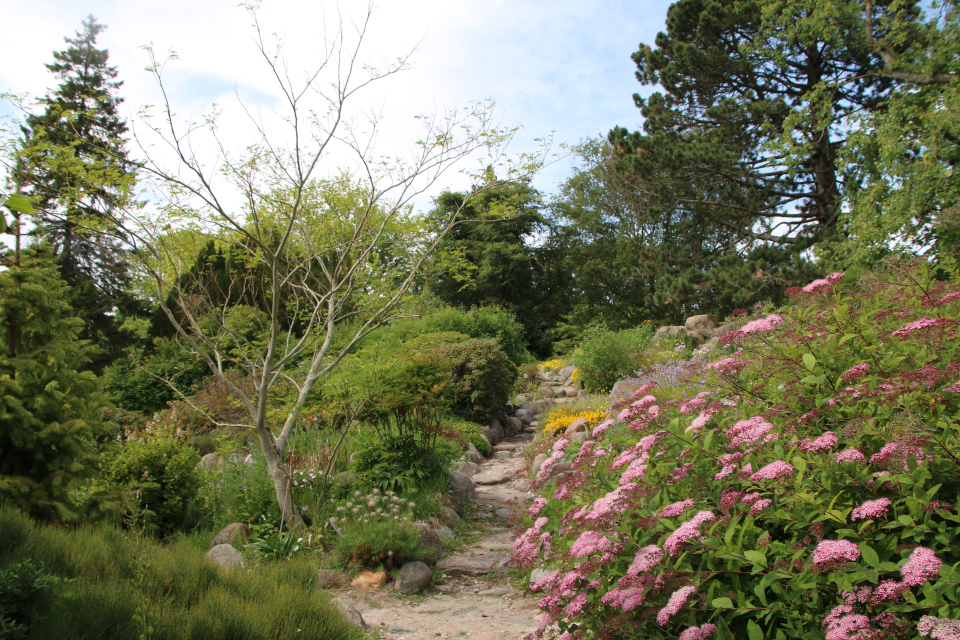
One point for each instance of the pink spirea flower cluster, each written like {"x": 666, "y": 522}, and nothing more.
{"x": 774, "y": 470}
{"x": 871, "y": 510}
{"x": 823, "y": 283}
{"x": 849, "y": 455}
{"x": 686, "y": 532}
{"x": 939, "y": 628}
{"x": 760, "y": 505}
{"x": 701, "y": 421}
{"x": 852, "y": 627}
{"x": 676, "y": 602}
{"x": 923, "y": 324}
{"x": 602, "y": 427}
{"x": 823, "y": 442}
{"x": 836, "y": 551}
{"x": 897, "y": 454}
{"x": 537, "y": 507}
{"x": 591, "y": 542}
{"x": 675, "y": 509}
{"x": 855, "y": 372}
{"x": 729, "y": 366}
{"x": 747, "y": 432}
{"x": 689, "y": 405}
{"x": 526, "y": 548}
{"x": 922, "y": 565}
{"x": 762, "y": 324}
{"x": 947, "y": 298}
{"x": 698, "y": 633}
{"x": 646, "y": 559}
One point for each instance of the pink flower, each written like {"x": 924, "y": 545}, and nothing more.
{"x": 686, "y": 532}
{"x": 762, "y": 324}
{"x": 591, "y": 542}
{"x": 947, "y": 298}
{"x": 823, "y": 283}
{"x": 537, "y": 507}
{"x": 675, "y": 509}
{"x": 603, "y": 426}
{"x": 760, "y": 505}
{"x": 939, "y": 628}
{"x": 871, "y": 510}
{"x": 677, "y": 601}
{"x": 729, "y": 366}
{"x": 849, "y": 455}
{"x": 921, "y": 566}
{"x": 723, "y": 473}
{"x": 698, "y": 633}
{"x": 646, "y": 559}
{"x": 689, "y": 405}
{"x": 897, "y": 454}
{"x": 700, "y": 422}
{"x": 824, "y": 442}
{"x": 835, "y": 551}
{"x": 747, "y": 432}
{"x": 560, "y": 444}
{"x": 851, "y": 627}
{"x": 888, "y": 591}
{"x": 922, "y": 324}
{"x": 855, "y": 372}
{"x": 774, "y": 470}
{"x": 954, "y": 388}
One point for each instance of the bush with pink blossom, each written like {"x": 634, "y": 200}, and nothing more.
{"x": 811, "y": 492}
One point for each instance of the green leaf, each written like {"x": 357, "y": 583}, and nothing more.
{"x": 755, "y": 556}
{"x": 801, "y": 465}
{"x": 722, "y": 603}
{"x": 809, "y": 361}
{"x": 18, "y": 203}
{"x": 870, "y": 556}
{"x": 754, "y": 631}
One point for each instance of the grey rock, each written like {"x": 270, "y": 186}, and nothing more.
{"x": 351, "y": 613}
{"x": 505, "y": 446}
{"x": 503, "y": 513}
{"x": 545, "y": 392}
{"x": 450, "y": 517}
{"x": 568, "y": 392}
{"x": 496, "y": 591}
{"x": 473, "y": 454}
{"x": 445, "y": 533}
{"x": 502, "y": 455}
{"x": 724, "y": 329}
{"x": 524, "y": 416}
{"x": 462, "y": 489}
{"x": 579, "y": 436}
{"x": 532, "y": 407}
{"x": 539, "y": 574}
{"x": 623, "y": 389}
{"x": 701, "y": 323}
{"x": 429, "y": 544}
{"x": 566, "y": 373}
{"x": 494, "y": 431}
{"x": 514, "y": 425}
{"x": 521, "y": 398}
{"x": 209, "y": 462}
{"x": 414, "y": 576}
{"x": 535, "y": 466}
{"x": 399, "y": 628}
{"x": 469, "y": 565}
{"x": 576, "y": 426}
{"x": 669, "y": 332}
{"x": 543, "y": 404}
{"x": 467, "y": 468}
{"x": 236, "y": 533}
{"x": 226, "y": 556}
{"x": 550, "y": 375}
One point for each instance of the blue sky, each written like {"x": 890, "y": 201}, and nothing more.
{"x": 560, "y": 66}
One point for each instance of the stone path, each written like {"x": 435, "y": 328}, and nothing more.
{"x": 477, "y": 600}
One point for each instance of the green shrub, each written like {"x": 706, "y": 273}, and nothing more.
{"x": 466, "y": 431}
{"x": 484, "y": 322}
{"x": 376, "y": 530}
{"x": 163, "y": 472}
{"x": 399, "y": 463}
{"x": 605, "y": 356}
{"x": 139, "y": 381}
{"x": 238, "y": 492}
{"x": 21, "y": 587}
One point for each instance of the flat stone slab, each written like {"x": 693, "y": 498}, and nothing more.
{"x": 470, "y": 566}
{"x": 502, "y": 471}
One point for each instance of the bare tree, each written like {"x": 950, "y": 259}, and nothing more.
{"x": 312, "y": 248}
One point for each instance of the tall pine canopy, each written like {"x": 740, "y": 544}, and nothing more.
{"x": 75, "y": 168}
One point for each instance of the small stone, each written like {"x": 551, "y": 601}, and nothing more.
{"x": 233, "y": 534}
{"x": 400, "y": 629}
{"x": 577, "y": 426}
{"x": 496, "y": 591}
{"x": 501, "y": 455}
{"x": 503, "y": 513}
{"x": 445, "y": 533}
{"x": 579, "y": 436}
{"x": 209, "y": 462}
{"x": 370, "y": 580}
{"x": 430, "y": 544}
{"x": 226, "y": 556}
{"x": 450, "y": 517}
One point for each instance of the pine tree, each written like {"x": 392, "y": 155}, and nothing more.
{"x": 75, "y": 168}
{"x": 50, "y": 409}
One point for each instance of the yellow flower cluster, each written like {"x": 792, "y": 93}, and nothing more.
{"x": 551, "y": 365}
{"x": 559, "y": 421}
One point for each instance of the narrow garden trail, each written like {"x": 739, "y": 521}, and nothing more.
{"x": 477, "y": 598}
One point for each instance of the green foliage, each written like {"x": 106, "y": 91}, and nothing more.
{"x": 189, "y": 597}
{"x": 238, "y": 492}
{"x": 50, "y": 409}
{"x": 275, "y": 545}
{"x": 606, "y": 356}
{"x": 21, "y": 585}
{"x": 463, "y": 430}
{"x": 162, "y": 470}
{"x": 836, "y": 424}
{"x": 376, "y": 530}
{"x": 483, "y": 322}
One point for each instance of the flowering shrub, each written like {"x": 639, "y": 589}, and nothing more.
{"x": 375, "y": 530}
{"x": 804, "y": 487}
{"x": 560, "y": 418}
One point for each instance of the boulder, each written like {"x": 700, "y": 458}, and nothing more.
{"x": 702, "y": 322}
{"x": 543, "y": 404}
{"x": 535, "y": 465}
{"x": 351, "y": 613}
{"x": 579, "y": 436}
{"x": 209, "y": 462}
{"x": 539, "y": 574}
{"x": 724, "y": 329}
{"x": 414, "y": 576}
{"x": 473, "y": 454}
{"x": 514, "y": 425}
{"x": 494, "y": 431}
{"x": 429, "y": 543}
{"x": 505, "y": 446}
{"x": 699, "y": 338}
{"x": 462, "y": 489}
{"x": 549, "y": 375}
{"x": 233, "y": 534}
{"x": 329, "y": 579}
{"x": 226, "y": 556}
{"x": 524, "y": 416}
{"x": 567, "y": 372}
{"x": 469, "y": 565}
{"x": 545, "y": 391}
{"x": 467, "y": 468}
{"x": 445, "y": 533}
{"x": 521, "y": 398}
{"x": 532, "y": 407}
{"x": 450, "y": 517}
{"x": 502, "y": 455}
{"x": 576, "y": 426}
{"x": 370, "y": 580}
{"x": 669, "y": 332}
{"x": 568, "y": 392}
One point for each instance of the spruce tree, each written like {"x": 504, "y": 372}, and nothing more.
{"x": 75, "y": 168}
{"x": 50, "y": 408}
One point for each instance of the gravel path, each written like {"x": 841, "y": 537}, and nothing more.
{"x": 477, "y": 599}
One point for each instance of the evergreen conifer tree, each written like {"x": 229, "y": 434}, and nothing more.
{"x": 74, "y": 166}
{"x": 50, "y": 409}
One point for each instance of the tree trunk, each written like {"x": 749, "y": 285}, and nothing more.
{"x": 279, "y": 477}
